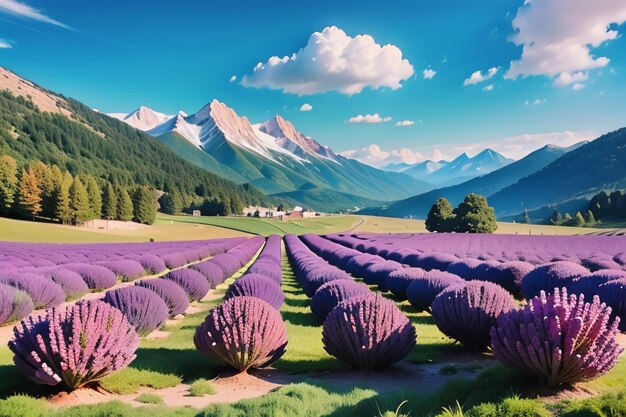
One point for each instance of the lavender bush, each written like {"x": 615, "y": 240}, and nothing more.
{"x": 14, "y": 304}
{"x": 561, "y": 340}
{"x": 368, "y": 332}
{"x": 191, "y": 281}
{"x": 398, "y": 281}
{"x": 143, "y": 308}
{"x": 174, "y": 260}
{"x": 244, "y": 333}
{"x": 213, "y": 273}
{"x": 152, "y": 264}
{"x": 126, "y": 269}
{"x": 377, "y": 273}
{"x": 549, "y": 276}
{"x": 259, "y": 286}
{"x": 70, "y": 282}
{"x": 81, "y": 345}
{"x": 44, "y": 292}
{"x": 422, "y": 291}
{"x": 96, "y": 277}
{"x": 467, "y": 312}
{"x": 331, "y": 294}
{"x": 174, "y": 297}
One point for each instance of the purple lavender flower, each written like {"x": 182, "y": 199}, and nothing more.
{"x": 14, "y": 304}
{"x": 70, "y": 282}
{"x": 399, "y": 280}
{"x": 96, "y": 277}
{"x": 466, "y": 312}
{"x": 174, "y": 296}
{"x": 368, "y": 332}
{"x": 331, "y": 294}
{"x": 259, "y": 286}
{"x": 143, "y": 308}
{"x": 551, "y": 275}
{"x": 422, "y": 291}
{"x": 191, "y": 281}
{"x": 211, "y": 271}
{"x": 74, "y": 347}
{"x": 126, "y": 269}
{"x": 243, "y": 332}
{"x": 152, "y": 264}
{"x": 561, "y": 340}
{"x": 44, "y": 292}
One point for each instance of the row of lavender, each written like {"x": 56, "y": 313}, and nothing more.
{"x": 91, "y": 339}
{"x": 246, "y": 330}
{"x": 36, "y": 276}
{"x": 559, "y": 338}
{"x": 522, "y": 279}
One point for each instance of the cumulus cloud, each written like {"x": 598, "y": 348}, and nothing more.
{"x": 566, "y": 78}
{"x": 233, "y": 78}
{"x": 369, "y": 118}
{"x": 558, "y": 36}
{"x": 578, "y": 86}
{"x": 16, "y": 8}
{"x": 405, "y": 123}
{"x": 478, "y": 77}
{"x": 429, "y": 74}
{"x": 306, "y": 107}
{"x": 375, "y": 156}
{"x": 488, "y": 87}
{"x": 333, "y": 61}
{"x": 5, "y": 44}
{"x": 515, "y": 147}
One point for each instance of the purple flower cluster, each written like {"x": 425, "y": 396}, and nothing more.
{"x": 14, "y": 304}
{"x": 368, "y": 332}
{"x": 243, "y": 333}
{"x": 191, "y": 281}
{"x": 171, "y": 293}
{"x": 333, "y": 293}
{"x": 142, "y": 307}
{"x": 83, "y": 344}
{"x": 423, "y": 290}
{"x": 561, "y": 340}
{"x": 44, "y": 292}
{"x": 259, "y": 286}
{"x": 96, "y": 277}
{"x": 126, "y": 269}
{"x": 551, "y": 275}
{"x": 70, "y": 282}
{"x": 467, "y": 312}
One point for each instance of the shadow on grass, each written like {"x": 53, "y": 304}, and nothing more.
{"x": 301, "y": 319}
{"x": 187, "y": 363}
{"x": 298, "y": 302}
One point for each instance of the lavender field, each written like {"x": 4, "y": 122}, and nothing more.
{"x": 539, "y": 314}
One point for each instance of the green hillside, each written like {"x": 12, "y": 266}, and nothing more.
{"x": 323, "y": 199}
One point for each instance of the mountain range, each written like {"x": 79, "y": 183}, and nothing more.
{"x": 273, "y": 156}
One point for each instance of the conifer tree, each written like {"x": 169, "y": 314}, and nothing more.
{"x": 79, "y": 202}
{"x": 590, "y": 220}
{"x": 579, "y": 220}
{"x": 124, "y": 205}
{"x": 49, "y": 203}
{"x": 144, "y": 205}
{"x": 8, "y": 183}
{"x": 29, "y": 200}
{"x": 109, "y": 203}
{"x": 95, "y": 197}
{"x": 63, "y": 209}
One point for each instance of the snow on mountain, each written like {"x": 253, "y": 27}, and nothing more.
{"x": 144, "y": 118}
{"x": 464, "y": 168}
{"x": 287, "y": 137}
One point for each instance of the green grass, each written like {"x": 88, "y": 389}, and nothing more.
{"x": 149, "y": 398}
{"x": 201, "y": 387}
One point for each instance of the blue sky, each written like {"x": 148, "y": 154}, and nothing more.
{"x": 559, "y": 79}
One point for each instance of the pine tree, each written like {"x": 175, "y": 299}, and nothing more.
{"x": 236, "y": 205}
{"x": 79, "y": 202}
{"x": 29, "y": 199}
{"x": 95, "y": 197}
{"x": 556, "y": 218}
{"x": 474, "y": 215}
{"x": 144, "y": 205}
{"x": 63, "y": 209}
{"x": 167, "y": 203}
{"x": 8, "y": 183}
{"x": 109, "y": 203}
{"x": 590, "y": 220}
{"x": 124, "y": 205}
{"x": 49, "y": 203}
{"x": 579, "y": 220}
{"x": 440, "y": 218}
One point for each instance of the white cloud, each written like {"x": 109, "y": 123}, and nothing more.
{"x": 429, "y": 73}
{"x": 233, "y": 78}
{"x": 16, "y": 8}
{"x": 369, "y": 118}
{"x": 488, "y": 87}
{"x": 578, "y": 86}
{"x": 515, "y": 147}
{"x": 373, "y": 155}
{"x": 333, "y": 61}
{"x": 5, "y": 44}
{"x": 566, "y": 78}
{"x": 405, "y": 123}
{"x": 478, "y": 77}
{"x": 558, "y": 35}
{"x": 539, "y": 101}
{"x": 306, "y": 107}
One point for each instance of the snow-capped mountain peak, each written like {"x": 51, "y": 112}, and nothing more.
{"x": 144, "y": 118}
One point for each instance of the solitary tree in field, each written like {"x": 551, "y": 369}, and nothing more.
{"x": 29, "y": 194}
{"x": 474, "y": 215}
{"x": 109, "y": 203}
{"x": 440, "y": 217}
{"x": 124, "y": 205}
{"x": 8, "y": 183}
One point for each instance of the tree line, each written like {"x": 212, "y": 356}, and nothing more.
{"x": 472, "y": 215}
{"x": 42, "y": 190}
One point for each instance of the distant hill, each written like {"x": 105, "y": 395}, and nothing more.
{"x": 486, "y": 185}
{"x": 273, "y": 156}
{"x": 599, "y": 165}
{"x": 326, "y": 200}
{"x": 37, "y": 124}
{"x": 464, "y": 168}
